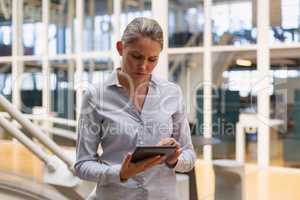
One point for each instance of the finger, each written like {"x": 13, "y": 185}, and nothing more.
{"x": 163, "y": 142}
{"x": 179, "y": 151}
{"x": 152, "y": 161}
{"x": 127, "y": 159}
{"x": 174, "y": 156}
{"x": 172, "y": 141}
{"x": 155, "y": 162}
{"x": 177, "y": 144}
{"x": 147, "y": 161}
{"x": 167, "y": 141}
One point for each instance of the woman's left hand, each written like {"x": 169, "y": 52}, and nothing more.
{"x": 171, "y": 161}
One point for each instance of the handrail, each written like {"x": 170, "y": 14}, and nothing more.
{"x": 56, "y": 131}
{"x": 36, "y": 132}
{"x": 21, "y": 137}
{"x": 57, "y": 120}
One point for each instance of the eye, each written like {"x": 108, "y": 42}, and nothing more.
{"x": 137, "y": 57}
{"x": 153, "y": 60}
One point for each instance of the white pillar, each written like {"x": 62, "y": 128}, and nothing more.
{"x": 160, "y": 13}
{"x": 240, "y": 143}
{"x": 207, "y": 80}
{"x": 263, "y": 98}
{"x": 46, "y": 90}
{"x": 45, "y": 62}
{"x": 116, "y": 24}
{"x": 17, "y": 50}
{"x": 79, "y": 45}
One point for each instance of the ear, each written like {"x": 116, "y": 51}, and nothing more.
{"x": 119, "y": 47}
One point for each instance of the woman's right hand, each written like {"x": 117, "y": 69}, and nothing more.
{"x": 130, "y": 169}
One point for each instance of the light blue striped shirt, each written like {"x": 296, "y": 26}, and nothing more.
{"x": 110, "y": 119}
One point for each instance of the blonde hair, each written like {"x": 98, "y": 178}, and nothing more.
{"x": 143, "y": 27}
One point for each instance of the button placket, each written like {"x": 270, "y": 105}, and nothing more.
{"x": 140, "y": 136}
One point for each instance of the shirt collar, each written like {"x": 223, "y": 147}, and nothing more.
{"x": 113, "y": 79}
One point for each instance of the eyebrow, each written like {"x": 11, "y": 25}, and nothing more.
{"x": 137, "y": 52}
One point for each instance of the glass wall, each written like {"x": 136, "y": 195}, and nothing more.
{"x": 6, "y": 80}
{"x": 31, "y": 86}
{"x": 98, "y": 27}
{"x": 186, "y": 70}
{"x": 96, "y": 70}
{"x": 131, "y": 9}
{"x": 233, "y": 22}
{"x": 285, "y": 26}
{"x": 6, "y": 29}
{"x": 234, "y": 78}
{"x": 61, "y": 31}
{"x": 32, "y": 27}
{"x": 186, "y": 20}
{"x": 285, "y": 110}
{"x": 63, "y": 102}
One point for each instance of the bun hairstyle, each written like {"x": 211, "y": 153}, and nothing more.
{"x": 142, "y": 27}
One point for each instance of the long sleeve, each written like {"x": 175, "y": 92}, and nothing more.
{"x": 88, "y": 166}
{"x": 181, "y": 132}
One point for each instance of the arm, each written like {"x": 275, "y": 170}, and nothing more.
{"x": 181, "y": 132}
{"x": 87, "y": 164}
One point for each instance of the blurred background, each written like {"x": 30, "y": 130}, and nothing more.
{"x": 237, "y": 62}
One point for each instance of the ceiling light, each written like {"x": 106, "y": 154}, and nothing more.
{"x": 242, "y": 62}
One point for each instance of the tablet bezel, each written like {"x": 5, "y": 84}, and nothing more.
{"x": 144, "y": 152}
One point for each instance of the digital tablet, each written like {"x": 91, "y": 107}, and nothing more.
{"x": 144, "y": 152}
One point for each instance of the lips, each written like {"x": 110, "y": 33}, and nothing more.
{"x": 140, "y": 74}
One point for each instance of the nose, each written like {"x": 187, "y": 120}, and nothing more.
{"x": 143, "y": 65}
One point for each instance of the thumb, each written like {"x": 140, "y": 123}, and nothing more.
{"x": 127, "y": 159}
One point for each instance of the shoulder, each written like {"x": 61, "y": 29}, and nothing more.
{"x": 167, "y": 87}
{"x": 92, "y": 92}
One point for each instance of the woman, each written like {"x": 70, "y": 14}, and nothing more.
{"x": 133, "y": 108}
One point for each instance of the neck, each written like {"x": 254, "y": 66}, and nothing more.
{"x": 131, "y": 84}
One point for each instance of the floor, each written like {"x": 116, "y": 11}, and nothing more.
{"x": 275, "y": 183}
{"x": 16, "y": 159}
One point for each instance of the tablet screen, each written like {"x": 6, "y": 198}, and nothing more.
{"x": 144, "y": 152}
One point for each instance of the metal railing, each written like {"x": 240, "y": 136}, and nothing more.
{"x": 34, "y": 131}
{"x": 60, "y": 172}
{"x": 52, "y": 130}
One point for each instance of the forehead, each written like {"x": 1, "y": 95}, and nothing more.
{"x": 144, "y": 46}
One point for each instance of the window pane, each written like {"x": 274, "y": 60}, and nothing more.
{"x": 32, "y": 27}
{"x": 5, "y": 80}
{"x": 62, "y": 88}
{"x": 233, "y": 22}
{"x": 62, "y": 27}
{"x": 31, "y": 86}
{"x": 96, "y": 71}
{"x": 6, "y": 29}
{"x": 285, "y": 108}
{"x": 132, "y": 9}
{"x": 97, "y": 25}
{"x": 234, "y": 80}
{"x": 186, "y": 70}
{"x": 186, "y": 21}
{"x": 284, "y": 22}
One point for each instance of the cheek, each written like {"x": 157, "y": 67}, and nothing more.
{"x": 130, "y": 62}
{"x": 151, "y": 67}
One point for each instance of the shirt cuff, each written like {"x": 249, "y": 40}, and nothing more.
{"x": 114, "y": 173}
{"x": 177, "y": 167}
{"x": 171, "y": 166}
